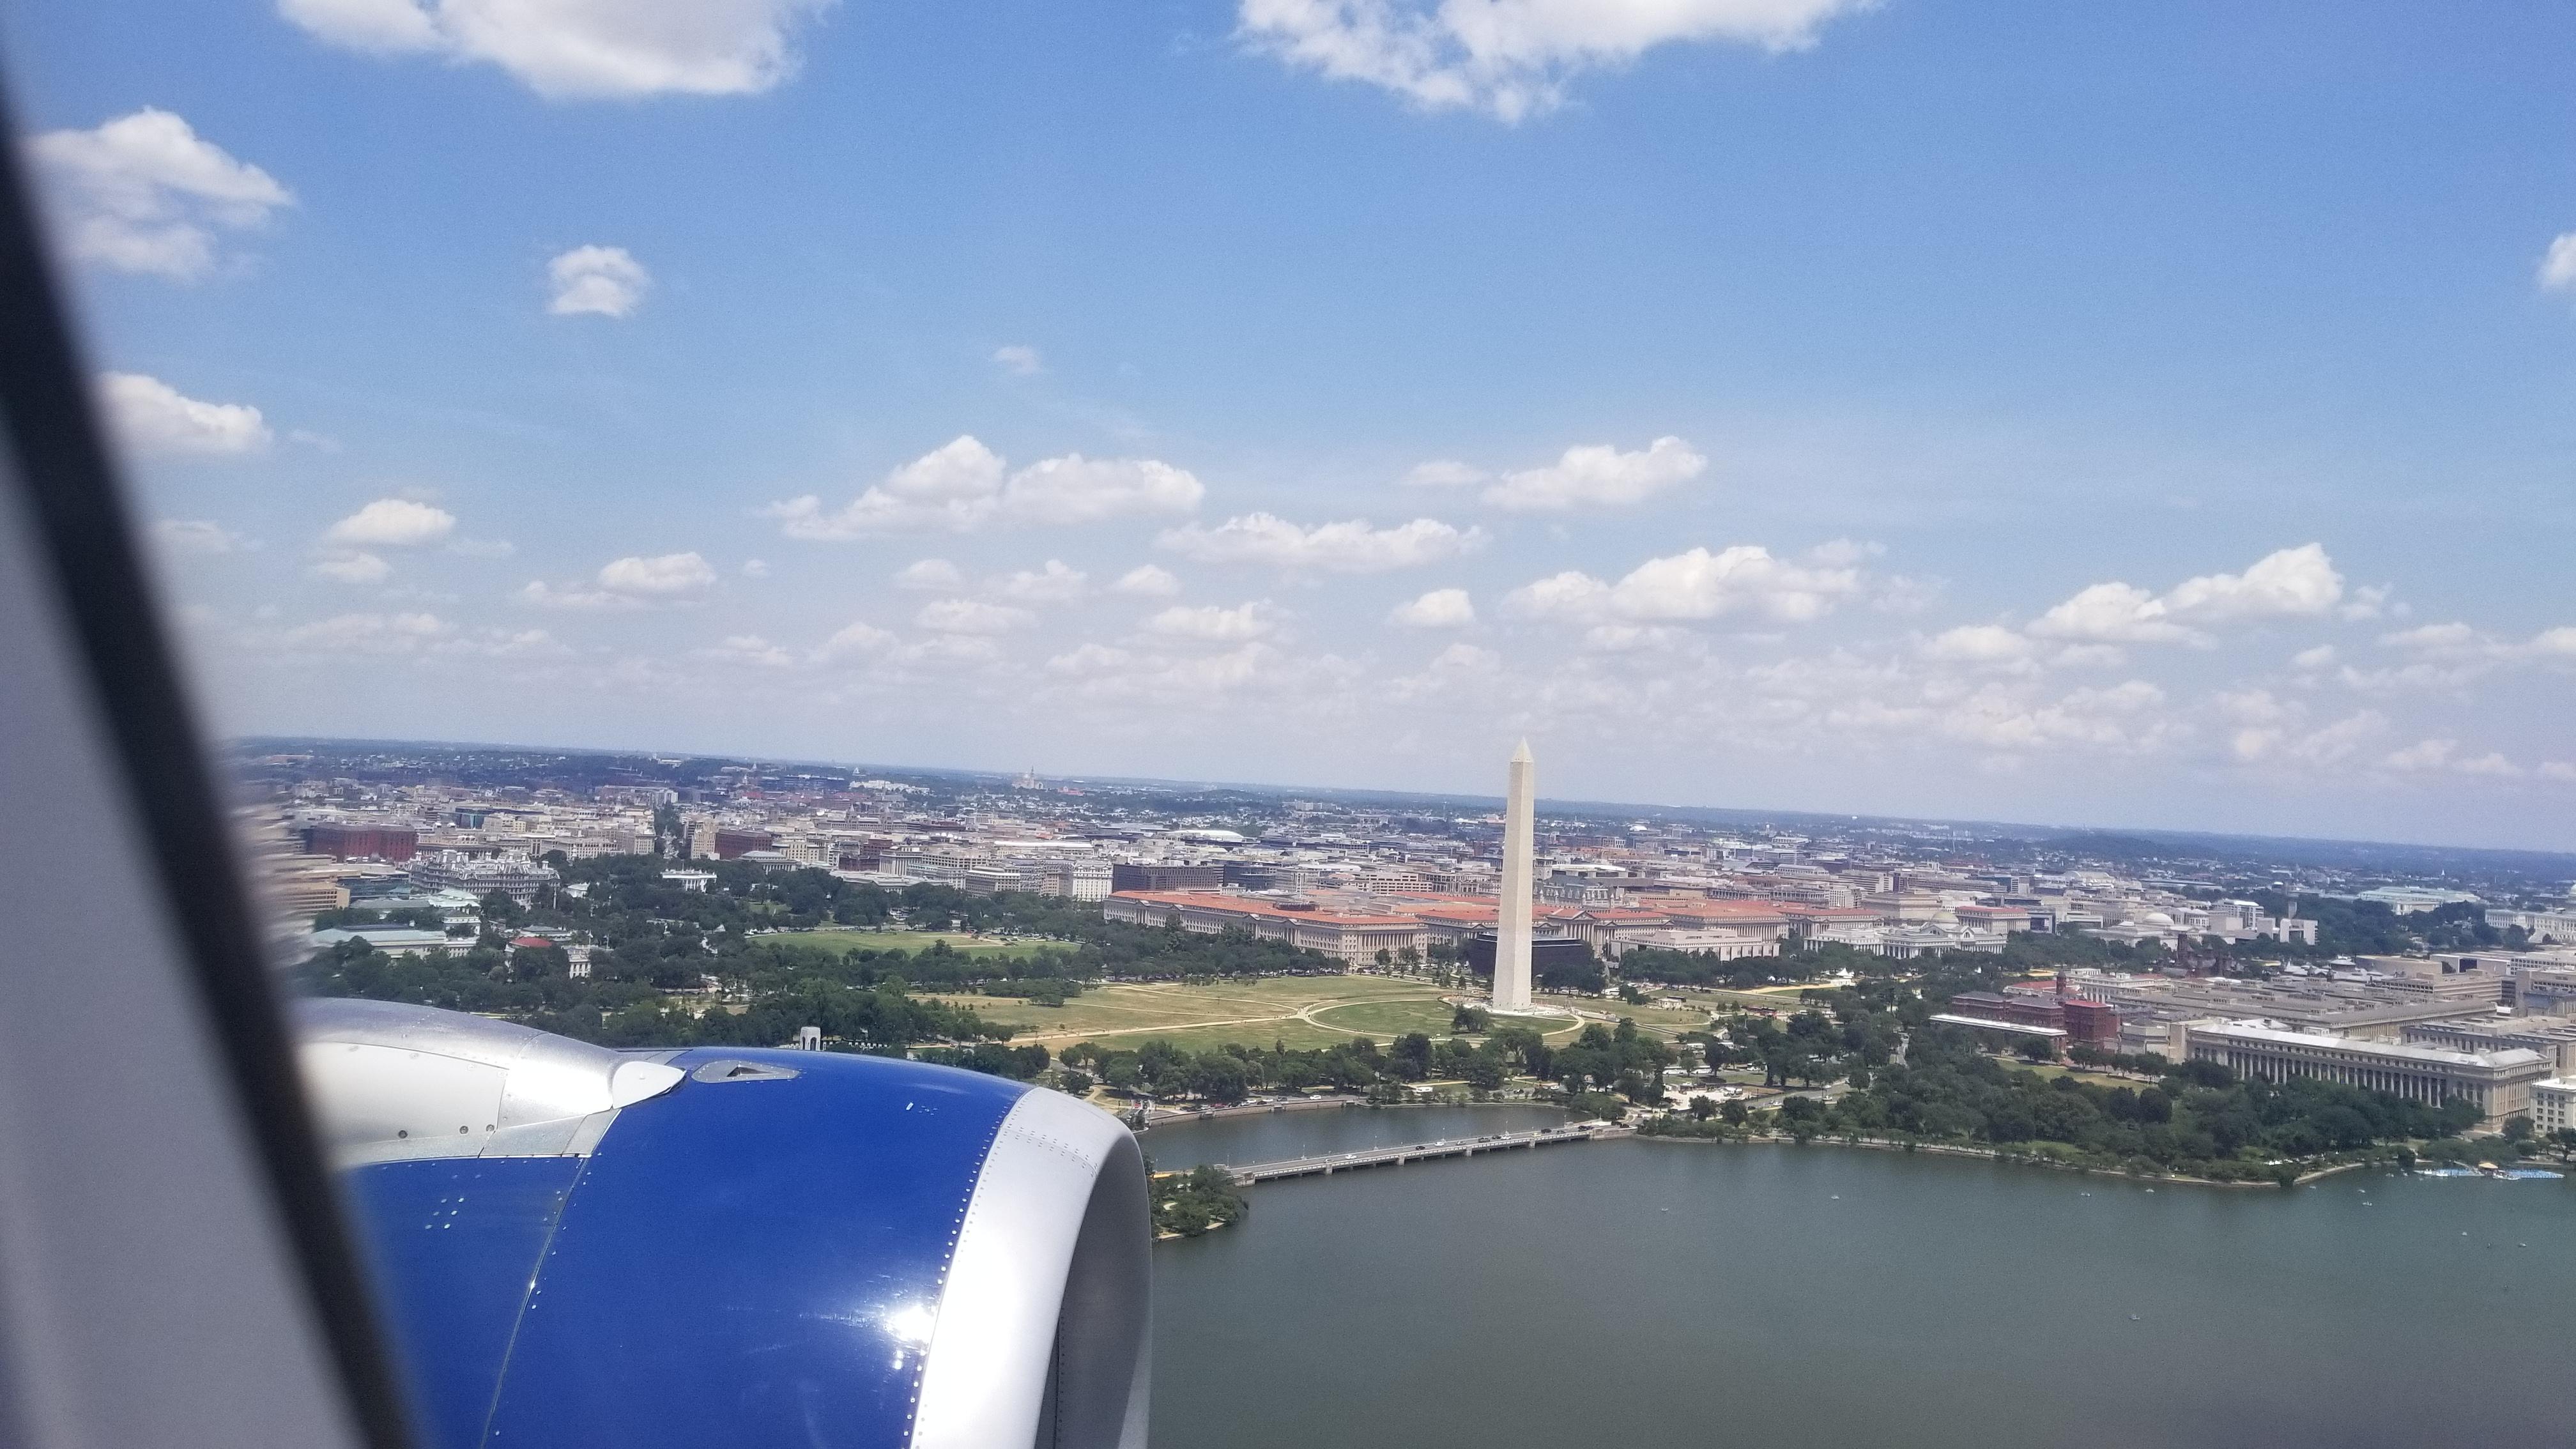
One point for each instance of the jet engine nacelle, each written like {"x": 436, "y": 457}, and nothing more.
{"x": 747, "y": 1248}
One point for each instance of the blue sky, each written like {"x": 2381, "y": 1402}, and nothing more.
{"x": 2142, "y": 414}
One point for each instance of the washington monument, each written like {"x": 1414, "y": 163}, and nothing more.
{"x": 1512, "y": 921}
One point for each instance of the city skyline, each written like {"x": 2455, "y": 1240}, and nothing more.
{"x": 1898, "y": 410}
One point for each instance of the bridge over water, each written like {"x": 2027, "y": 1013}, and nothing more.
{"x": 1330, "y": 1163}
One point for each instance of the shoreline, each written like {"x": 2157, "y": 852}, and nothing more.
{"x": 1991, "y": 1154}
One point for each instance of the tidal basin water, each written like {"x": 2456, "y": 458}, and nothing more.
{"x": 1651, "y": 1294}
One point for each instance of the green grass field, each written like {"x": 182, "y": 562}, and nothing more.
{"x": 837, "y": 941}
{"x": 1385, "y": 1020}
{"x": 1299, "y": 1011}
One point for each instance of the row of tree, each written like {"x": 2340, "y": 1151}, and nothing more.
{"x": 2198, "y": 1118}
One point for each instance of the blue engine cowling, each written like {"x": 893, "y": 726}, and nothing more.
{"x": 747, "y": 1248}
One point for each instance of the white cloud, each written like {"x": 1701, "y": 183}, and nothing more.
{"x": 598, "y": 281}
{"x": 1443, "y": 473}
{"x": 2446, "y": 756}
{"x": 963, "y": 486}
{"x": 505, "y": 644}
{"x": 930, "y": 576}
{"x": 392, "y": 523}
{"x": 748, "y": 649}
{"x": 2445, "y": 656}
{"x": 2558, "y": 266}
{"x": 972, "y": 616}
{"x": 1075, "y": 489}
{"x": 574, "y": 596}
{"x": 581, "y": 48}
{"x": 2292, "y": 583}
{"x": 2288, "y": 583}
{"x": 1214, "y": 624}
{"x": 366, "y": 634}
{"x": 665, "y": 576}
{"x": 1088, "y": 659}
{"x": 2120, "y": 719}
{"x": 2310, "y": 660}
{"x": 2271, "y": 736}
{"x": 1055, "y": 583}
{"x": 157, "y": 420}
{"x": 1438, "y": 609}
{"x": 2441, "y": 641}
{"x": 853, "y": 640}
{"x": 755, "y": 568}
{"x": 1981, "y": 646}
{"x": 1599, "y": 477}
{"x": 2369, "y": 602}
{"x": 1509, "y": 58}
{"x": 1465, "y": 659}
{"x": 143, "y": 193}
{"x": 2559, "y": 770}
{"x": 354, "y": 568}
{"x": 633, "y": 582}
{"x": 1353, "y": 547}
{"x": 1019, "y": 360}
{"x": 1693, "y": 586}
{"x": 199, "y": 536}
{"x": 2112, "y": 614}
{"x": 1147, "y": 581}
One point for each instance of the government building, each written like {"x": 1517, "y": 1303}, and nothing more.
{"x": 2498, "y": 1083}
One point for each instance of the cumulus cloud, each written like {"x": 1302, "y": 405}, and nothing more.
{"x": 1055, "y": 583}
{"x": 633, "y": 582}
{"x": 2447, "y": 757}
{"x": 1982, "y": 646}
{"x": 366, "y": 634}
{"x": 1598, "y": 477}
{"x": 2558, "y": 264}
{"x": 857, "y": 639}
{"x": 2121, "y": 718}
{"x": 354, "y": 568}
{"x": 930, "y": 576}
{"x": 392, "y": 523}
{"x": 2292, "y": 583}
{"x": 1075, "y": 489}
{"x": 596, "y": 281}
{"x": 1212, "y": 623}
{"x": 2448, "y": 655}
{"x": 972, "y": 616}
{"x": 1509, "y": 58}
{"x": 1019, "y": 360}
{"x": 1694, "y": 586}
{"x": 157, "y": 420}
{"x": 143, "y": 193}
{"x": 748, "y": 649}
{"x": 199, "y": 536}
{"x": 2112, "y": 614}
{"x": 2289, "y": 583}
{"x": 581, "y": 48}
{"x": 963, "y": 486}
{"x": 1353, "y": 547}
{"x": 669, "y": 575}
{"x": 1443, "y": 473}
{"x": 1438, "y": 609}
{"x": 1147, "y": 581}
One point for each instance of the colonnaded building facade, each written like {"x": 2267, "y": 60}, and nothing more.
{"x": 2498, "y": 1083}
